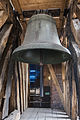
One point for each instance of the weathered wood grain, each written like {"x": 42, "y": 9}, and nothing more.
{"x": 8, "y": 90}
{"x": 3, "y": 71}
{"x": 75, "y": 27}
{"x": 21, "y": 86}
{"x": 74, "y": 100}
{"x": 23, "y": 70}
{"x": 15, "y": 115}
{"x": 18, "y": 8}
{"x": 78, "y": 11}
{"x": 26, "y": 82}
{"x": 3, "y": 18}
{"x": 4, "y": 35}
{"x": 56, "y": 83}
{"x": 17, "y": 86}
{"x": 41, "y": 4}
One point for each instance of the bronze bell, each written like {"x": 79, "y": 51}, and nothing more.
{"x": 41, "y": 43}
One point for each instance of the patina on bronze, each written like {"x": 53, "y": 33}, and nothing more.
{"x": 41, "y": 43}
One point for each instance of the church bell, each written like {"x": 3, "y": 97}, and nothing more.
{"x": 41, "y": 43}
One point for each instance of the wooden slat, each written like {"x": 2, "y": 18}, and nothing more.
{"x": 17, "y": 7}
{"x": 3, "y": 18}
{"x": 2, "y": 75}
{"x": 27, "y": 79}
{"x": 67, "y": 97}
{"x": 63, "y": 80}
{"x": 77, "y": 52}
{"x": 23, "y": 70}
{"x": 1, "y": 7}
{"x": 74, "y": 100}
{"x": 78, "y": 11}
{"x": 63, "y": 71}
{"x": 18, "y": 92}
{"x": 8, "y": 91}
{"x": 13, "y": 99}
{"x": 4, "y": 35}
{"x": 7, "y": 8}
{"x": 41, "y": 4}
{"x": 62, "y": 16}
{"x": 78, "y": 1}
{"x": 75, "y": 27}
{"x": 56, "y": 83}
{"x": 21, "y": 87}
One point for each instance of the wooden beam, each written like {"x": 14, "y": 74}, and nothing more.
{"x": 3, "y": 18}
{"x": 78, "y": 11}
{"x": 21, "y": 86}
{"x": 7, "y": 8}
{"x": 17, "y": 7}
{"x": 78, "y": 1}
{"x": 56, "y": 83}
{"x": 24, "y": 94}
{"x": 74, "y": 100}
{"x": 67, "y": 97}
{"x": 70, "y": 3}
{"x": 76, "y": 65}
{"x": 4, "y": 57}
{"x": 3, "y": 71}
{"x": 13, "y": 99}
{"x": 62, "y": 16}
{"x": 75, "y": 27}
{"x": 27, "y": 80}
{"x": 53, "y": 12}
{"x": 63, "y": 79}
{"x": 18, "y": 92}
{"x": 4, "y": 35}
{"x": 8, "y": 91}
{"x": 1, "y": 6}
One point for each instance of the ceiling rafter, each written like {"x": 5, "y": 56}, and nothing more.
{"x": 78, "y": 11}
{"x": 17, "y": 7}
{"x": 40, "y": 4}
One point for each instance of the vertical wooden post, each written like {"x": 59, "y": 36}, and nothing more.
{"x": 21, "y": 87}
{"x": 13, "y": 96}
{"x": 23, "y": 70}
{"x": 27, "y": 80}
{"x": 63, "y": 80}
{"x": 17, "y": 86}
{"x": 74, "y": 101}
{"x": 8, "y": 91}
{"x": 66, "y": 87}
{"x": 67, "y": 97}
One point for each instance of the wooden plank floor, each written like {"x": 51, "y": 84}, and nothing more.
{"x": 43, "y": 114}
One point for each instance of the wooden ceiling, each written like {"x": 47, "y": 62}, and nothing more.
{"x": 33, "y": 5}
{"x": 25, "y": 5}
{"x": 41, "y": 4}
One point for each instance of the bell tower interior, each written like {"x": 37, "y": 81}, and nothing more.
{"x": 39, "y": 59}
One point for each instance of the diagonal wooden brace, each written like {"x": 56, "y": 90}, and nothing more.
{"x": 56, "y": 83}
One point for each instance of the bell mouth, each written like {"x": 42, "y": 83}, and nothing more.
{"x": 45, "y": 54}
